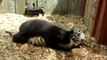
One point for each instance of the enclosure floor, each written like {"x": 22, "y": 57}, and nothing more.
{"x": 12, "y": 51}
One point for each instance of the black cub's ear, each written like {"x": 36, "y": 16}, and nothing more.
{"x": 71, "y": 31}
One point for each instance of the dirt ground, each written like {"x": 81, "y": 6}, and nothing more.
{"x": 12, "y": 51}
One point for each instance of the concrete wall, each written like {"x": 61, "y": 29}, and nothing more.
{"x": 50, "y": 6}
{"x": 20, "y": 6}
{"x": 7, "y": 6}
{"x": 12, "y": 6}
{"x": 90, "y": 13}
{"x": 69, "y": 6}
{"x": 62, "y": 6}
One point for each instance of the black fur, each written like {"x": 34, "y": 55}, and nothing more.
{"x": 52, "y": 34}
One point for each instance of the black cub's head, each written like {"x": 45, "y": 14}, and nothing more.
{"x": 68, "y": 36}
{"x": 73, "y": 38}
{"x": 65, "y": 36}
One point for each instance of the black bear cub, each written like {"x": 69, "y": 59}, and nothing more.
{"x": 52, "y": 34}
